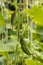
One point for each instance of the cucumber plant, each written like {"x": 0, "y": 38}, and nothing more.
{"x": 19, "y": 47}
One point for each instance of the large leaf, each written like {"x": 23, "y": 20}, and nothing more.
{"x": 10, "y": 46}
{"x": 31, "y": 62}
{"x": 36, "y": 14}
{"x": 38, "y": 30}
{"x": 38, "y": 17}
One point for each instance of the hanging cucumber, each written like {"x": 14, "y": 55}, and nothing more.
{"x": 12, "y": 18}
{"x": 24, "y": 46}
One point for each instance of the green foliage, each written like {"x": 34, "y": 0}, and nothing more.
{"x": 2, "y": 20}
{"x": 15, "y": 27}
{"x": 31, "y": 62}
{"x": 36, "y": 14}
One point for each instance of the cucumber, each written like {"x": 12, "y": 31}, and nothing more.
{"x": 24, "y": 46}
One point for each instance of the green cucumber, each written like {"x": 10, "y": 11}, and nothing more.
{"x": 24, "y": 46}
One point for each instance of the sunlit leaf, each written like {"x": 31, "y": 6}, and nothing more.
{"x": 31, "y": 62}
{"x": 2, "y": 20}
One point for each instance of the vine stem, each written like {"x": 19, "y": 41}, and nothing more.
{"x": 16, "y": 55}
{"x": 2, "y": 14}
{"x": 6, "y": 34}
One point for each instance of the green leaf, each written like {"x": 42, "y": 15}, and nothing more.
{"x": 28, "y": 12}
{"x": 36, "y": 14}
{"x": 38, "y": 30}
{"x": 2, "y": 20}
{"x": 6, "y": 55}
{"x": 31, "y": 62}
{"x": 38, "y": 17}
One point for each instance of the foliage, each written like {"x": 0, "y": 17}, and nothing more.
{"x": 21, "y": 34}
